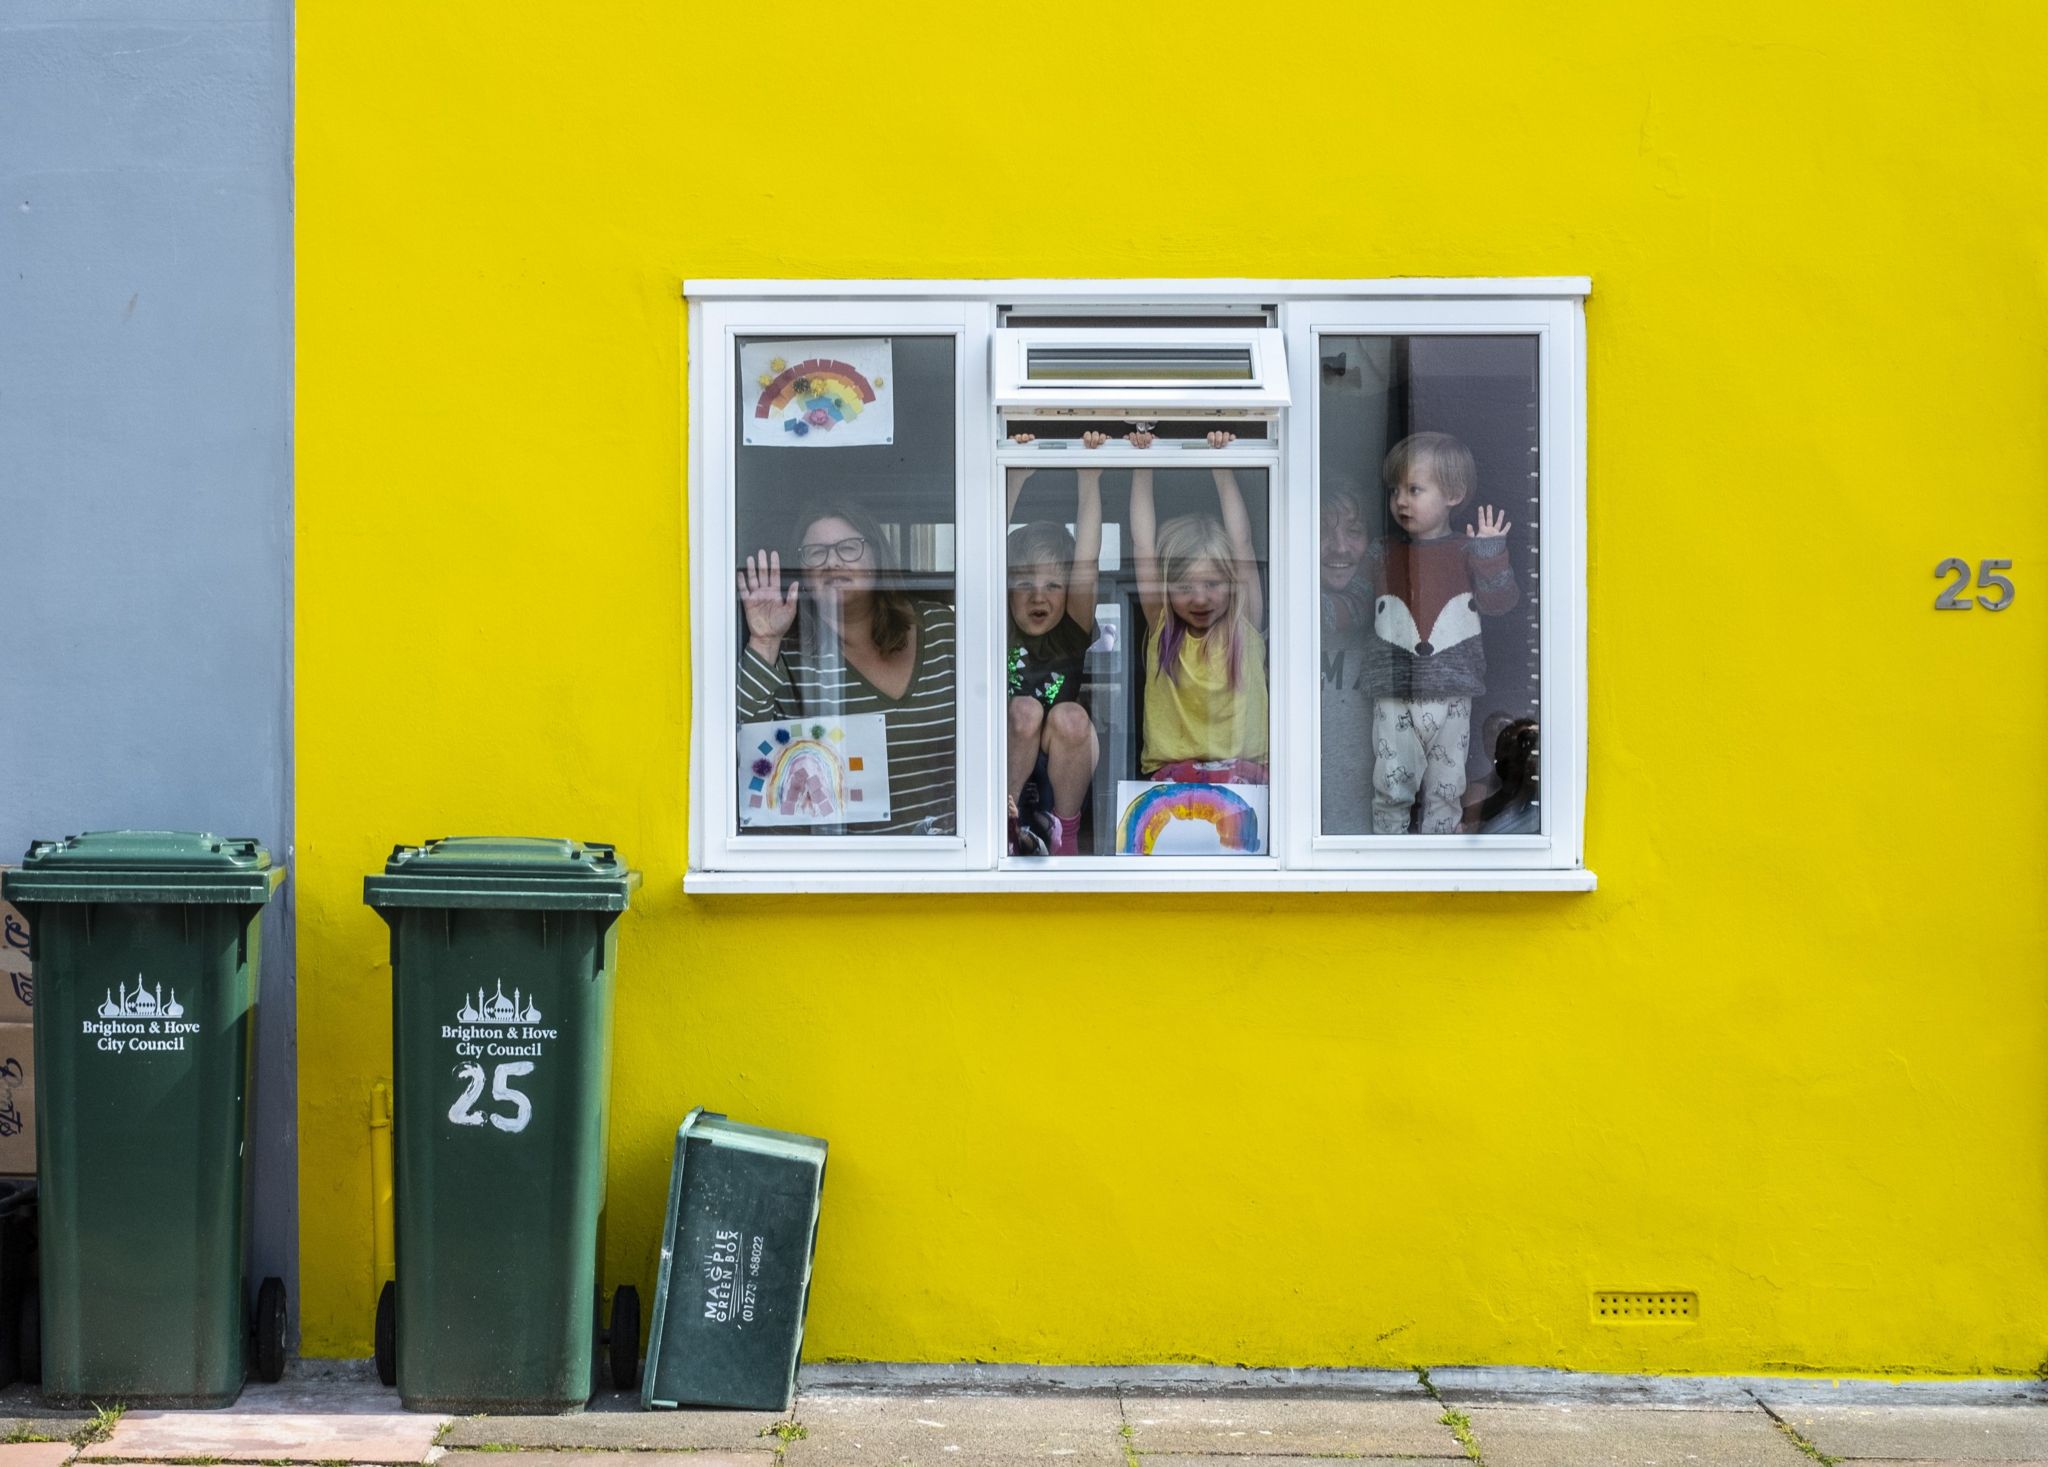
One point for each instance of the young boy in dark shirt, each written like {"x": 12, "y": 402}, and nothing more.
{"x": 1053, "y": 747}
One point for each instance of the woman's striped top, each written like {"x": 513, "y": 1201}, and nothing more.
{"x": 810, "y": 682}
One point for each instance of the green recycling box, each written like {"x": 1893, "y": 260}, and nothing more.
{"x": 735, "y": 1266}
{"x": 146, "y": 952}
{"x": 502, "y": 953}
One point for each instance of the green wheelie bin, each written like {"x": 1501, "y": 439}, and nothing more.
{"x": 502, "y": 953}
{"x": 146, "y": 949}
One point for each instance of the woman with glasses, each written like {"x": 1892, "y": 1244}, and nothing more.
{"x": 843, "y": 636}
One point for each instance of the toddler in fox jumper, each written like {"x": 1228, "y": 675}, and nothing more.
{"x": 1425, "y": 658}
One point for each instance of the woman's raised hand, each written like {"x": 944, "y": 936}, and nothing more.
{"x": 770, "y": 610}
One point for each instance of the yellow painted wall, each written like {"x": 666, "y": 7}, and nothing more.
{"x": 1793, "y": 1054}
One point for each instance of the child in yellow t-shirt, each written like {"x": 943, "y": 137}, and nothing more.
{"x": 1205, "y": 650}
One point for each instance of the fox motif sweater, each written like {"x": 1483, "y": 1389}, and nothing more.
{"x": 1426, "y": 600}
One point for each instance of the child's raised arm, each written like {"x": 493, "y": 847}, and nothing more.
{"x": 1015, "y": 482}
{"x": 1087, "y": 550}
{"x": 1238, "y": 526}
{"x": 1145, "y": 548}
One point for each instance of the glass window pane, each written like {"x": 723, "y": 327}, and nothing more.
{"x": 1113, "y": 574}
{"x": 1428, "y": 637}
{"x": 844, "y": 518}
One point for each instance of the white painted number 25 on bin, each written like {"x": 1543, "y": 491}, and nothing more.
{"x": 464, "y": 1111}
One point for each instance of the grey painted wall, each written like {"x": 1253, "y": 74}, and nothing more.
{"x": 145, "y": 454}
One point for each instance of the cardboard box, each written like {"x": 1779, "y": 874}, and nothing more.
{"x": 17, "y": 980}
{"x": 17, "y": 1100}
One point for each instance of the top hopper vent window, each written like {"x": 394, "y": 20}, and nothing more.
{"x": 1152, "y": 372}
{"x": 1138, "y": 365}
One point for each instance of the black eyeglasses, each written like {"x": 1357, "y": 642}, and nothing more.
{"x": 847, "y": 552}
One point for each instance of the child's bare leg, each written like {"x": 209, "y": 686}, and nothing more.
{"x": 1070, "y": 754}
{"x": 1027, "y": 720}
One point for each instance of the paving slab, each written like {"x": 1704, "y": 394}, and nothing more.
{"x": 1609, "y": 1436}
{"x": 1273, "y": 1426}
{"x": 953, "y": 1427}
{"x": 925, "y": 1454}
{"x": 35, "y": 1454}
{"x": 254, "y": 1436}
{"x": 1529, "y": 1386}
{"x": 1939, "y": 1462}
{"x": 1454, "y": 1455}
{"x": 1959, "y": 1433}
{"x": 618, "y": 1431}
{"x": 604, "y": 1459}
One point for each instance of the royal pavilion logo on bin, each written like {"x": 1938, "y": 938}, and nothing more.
{"x": 497, "y": 1009}
{"x": 142, "y": 1004}
{"x": 139, "y": 1020}
{"x": 497, "y": 1040}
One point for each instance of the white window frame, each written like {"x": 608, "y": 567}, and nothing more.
{"x": 1560, "y": 561}
{"x": 717, "y": 327}
{"x": 720, "y": 313}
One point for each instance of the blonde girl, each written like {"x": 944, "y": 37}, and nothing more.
{"x": 1205, "y": 648}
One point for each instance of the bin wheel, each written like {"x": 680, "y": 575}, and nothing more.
{"x": 267, "y": 1327}
{"x": 623, "y": 1338}
{"x": 387, "y": 1334}
{"x": 29, "y": 1333}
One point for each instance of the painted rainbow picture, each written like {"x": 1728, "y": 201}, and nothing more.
{"x": 1190, "y": 819}
{"x": 808, "y": 772}
{"x": 819, "y": 394}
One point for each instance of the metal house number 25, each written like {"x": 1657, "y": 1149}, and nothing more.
{"x": 464, "y": 1111}
{"x": 1988, "y": 579}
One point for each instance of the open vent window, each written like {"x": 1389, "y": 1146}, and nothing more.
{"x": 1152, "y": 373}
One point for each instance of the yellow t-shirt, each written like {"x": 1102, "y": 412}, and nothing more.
{"x": 1201, "y": 716}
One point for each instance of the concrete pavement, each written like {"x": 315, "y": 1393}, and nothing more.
{"x": 993, "y": 1416}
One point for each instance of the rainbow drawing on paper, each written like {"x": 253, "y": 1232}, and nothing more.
{"x": 1190, "y": 819}
{"x": 802, "y": 771}
{"x": 819, "y": 394}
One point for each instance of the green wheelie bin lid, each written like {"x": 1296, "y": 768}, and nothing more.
{"x": 505, "y": 872}
{"x": 144, "y": 866}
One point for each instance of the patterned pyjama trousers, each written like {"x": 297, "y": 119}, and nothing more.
{"x": 1418, "y": 748}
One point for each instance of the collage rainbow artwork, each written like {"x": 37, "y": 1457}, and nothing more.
{"x": 819, "y": 394}
{"x": 805, "y": 771}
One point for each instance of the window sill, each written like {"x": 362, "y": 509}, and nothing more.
{"x": 1154, "y": 879}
